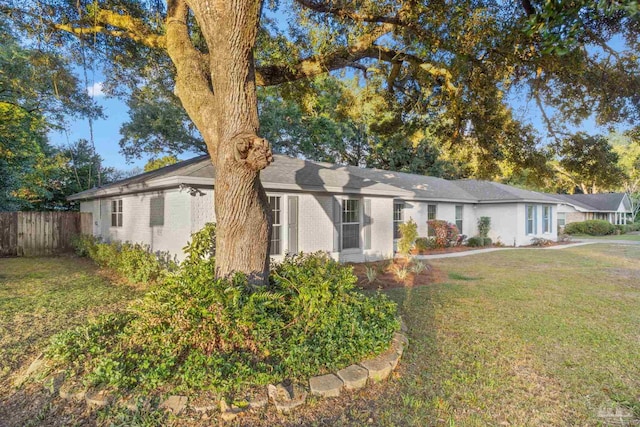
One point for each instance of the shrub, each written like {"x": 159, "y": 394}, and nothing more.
{"x": 425, "y": 243}
{"x": 372, "y": 273}
{"x": 193, "y": 331}
{"x": 564, "y": 237}
{"x": 592, "y": 227}
{"x": 478, "y": 241}
{"x": 484, "y": 225}
{"x": 444, "y": 231}
{"x": 541, "y": 241}
{"x": 418, "y": 267}
{"x": 133, "y": 261}
{"x": 408, "y": 236}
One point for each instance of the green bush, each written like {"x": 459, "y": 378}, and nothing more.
{"x": 484, "y": 225}
{"x": 478, "y": 241}
{"x": 628, "y": 228}
{"x": 408, "y": 236}
{"x": 133, "y": 261}
{"x": 425, "y": 243}
{"x": 193, "y": 332}
{"x": 592, "y": 227}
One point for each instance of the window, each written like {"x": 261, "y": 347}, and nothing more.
{"x": 276, "y": 246}
{"x": 459, "y": 210}
{"x": 156, "y": 211}
{"x": 546, "y": 219}
{"x": 531, "y": 219}
{"x": 431, "y": 214}
{"x": 350, "y": 224}
{"x": 398, "y": 218}
{"x": 116, "y": 213}
{"x": 562, "y": 220}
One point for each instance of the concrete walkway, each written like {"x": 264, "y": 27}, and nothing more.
{"x": 582, "y": 242}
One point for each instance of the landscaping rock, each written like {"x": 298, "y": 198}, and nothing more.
{"x": 175, "y": 404}
{"x": 72, "y": 391}
{"x": 403, "y": 326}
{"x": 97, "y": 398}
{"x": 227, "y": 412}
{"x": 286, "y": 398}
{"x": 326, "y": 385}
{"x": 392, "y": 356}
{"x": 378, "y": 368}
{"x": 258, "y": 399}
{"x": 204, "y": 406}
{"x": 400, "y": 342}
{"x": 354, "y": 377}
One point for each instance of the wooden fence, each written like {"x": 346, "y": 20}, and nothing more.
{"x": 41, "y": 233}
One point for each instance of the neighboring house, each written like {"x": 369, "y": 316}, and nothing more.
{"x": 350, "y": 212}
{"x": 612, "y": 207}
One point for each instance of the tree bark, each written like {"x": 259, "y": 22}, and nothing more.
{"x": 220, "y": 96}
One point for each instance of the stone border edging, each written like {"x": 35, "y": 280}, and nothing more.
{"x": 285, "y": 397}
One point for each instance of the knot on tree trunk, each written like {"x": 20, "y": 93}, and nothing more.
{"x": 253, "y": 151}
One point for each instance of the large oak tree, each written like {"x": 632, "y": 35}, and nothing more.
{"x": 456, "y": 59}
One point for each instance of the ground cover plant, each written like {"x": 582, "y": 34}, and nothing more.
{"x": 194, "y": 332}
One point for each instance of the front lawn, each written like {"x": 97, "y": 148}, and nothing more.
{"x": 632, "y": 237}
{"x": 40, "y": 297}
{"x": 526, "y": 337}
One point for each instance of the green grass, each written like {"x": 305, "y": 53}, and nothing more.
{"x": 541, "y": 338}
{"x": 42, "y": 296}
{"x": 632, "y": 237}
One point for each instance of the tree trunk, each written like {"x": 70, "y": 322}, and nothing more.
{"x": 219, "y": 93}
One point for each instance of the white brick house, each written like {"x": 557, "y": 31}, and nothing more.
{"x": 350, "y": 212}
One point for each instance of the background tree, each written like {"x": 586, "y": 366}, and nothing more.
{"x": 160, "y": 162}
{"x": 455, "y": 61}
{"x": 589, "y": 164}
{"x": 38, "y": 91}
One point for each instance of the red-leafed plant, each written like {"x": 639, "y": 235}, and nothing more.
{"x": 444, "y": 232}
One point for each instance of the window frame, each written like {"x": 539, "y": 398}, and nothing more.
{"x": 398, "y": 218}
{"x": 561, "y": 216}
{"x": 346, "y": 209}
{"x": 160, "y": 222}
{"x": 276, "y": 225}
{"x": 530, "y": 209}
{"x": 546, "y": 219}
{"x": 430, "y": 231}
{"x": 116, "y": 213}
{"x": 459, "y": 220}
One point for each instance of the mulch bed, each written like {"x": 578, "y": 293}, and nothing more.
{"x": 387, "y": 275}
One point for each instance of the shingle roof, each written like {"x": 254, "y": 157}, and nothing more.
{"x": 494, "y": 192}
{"x": 284, "y": 173}
{"x": 287, "y": 173}
{"x": 606, "y": 202}
{"x": 418, "y": 186}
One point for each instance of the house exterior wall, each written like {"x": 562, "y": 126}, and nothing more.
{"x": 169, "y": 237}
{"x": 417, "y": 210}
{"x": 508, "y": 222}
{"x": 186, "y": 213}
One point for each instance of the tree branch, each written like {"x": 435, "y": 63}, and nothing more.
{"x": 342, "y": 57}
{"x": 344, "y": 13}
{"x": 103, "y": 22}
{"x": 193, "y": 80}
